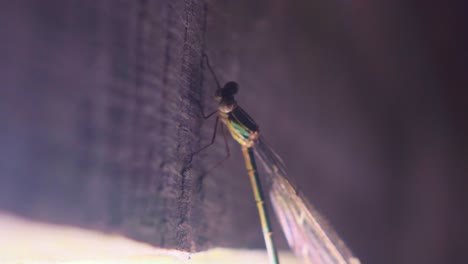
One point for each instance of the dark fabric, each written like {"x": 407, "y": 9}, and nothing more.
{"x": 365, "y": 101}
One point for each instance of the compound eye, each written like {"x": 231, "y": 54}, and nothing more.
{"x": 230, "y": 89}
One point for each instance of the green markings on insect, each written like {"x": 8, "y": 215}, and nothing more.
{"x": 308, "y": 234}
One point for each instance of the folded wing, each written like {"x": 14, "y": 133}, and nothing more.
{"x": 308, "y": 233}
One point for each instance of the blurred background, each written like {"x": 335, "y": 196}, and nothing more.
{"x": 364, "y": 100}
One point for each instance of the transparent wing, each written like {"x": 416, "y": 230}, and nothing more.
{"x": 308, "y": 234}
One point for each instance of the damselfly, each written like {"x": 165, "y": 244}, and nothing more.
{"x": 307, "y": 232}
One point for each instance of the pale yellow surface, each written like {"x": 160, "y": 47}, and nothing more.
{"x": 28, "y": 242}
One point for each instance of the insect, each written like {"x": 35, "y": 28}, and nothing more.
{"x": 308, "y": 234}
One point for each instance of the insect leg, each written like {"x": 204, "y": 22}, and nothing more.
{"x": 213, "y": 138}
{"x": 205, "y": 56}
